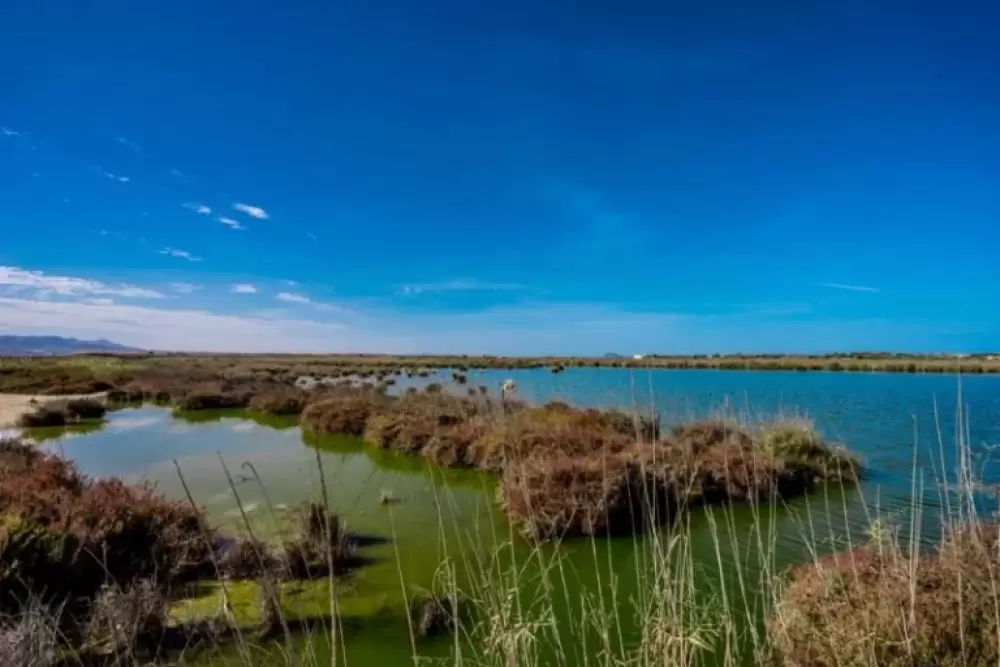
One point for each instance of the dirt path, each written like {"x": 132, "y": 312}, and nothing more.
{"x": 12, "y": 406}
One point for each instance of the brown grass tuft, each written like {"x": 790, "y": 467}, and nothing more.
{"x": 280, "y": 401}
{"x": 342, "y": 413}
{"x": 63, "y": 535}
{"x": 876, "y": 606}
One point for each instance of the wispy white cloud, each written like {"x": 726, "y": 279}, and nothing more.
{"x": 243, "y": 288}
{"x": 851, "y": 288}
{"x": 7, "y": 132}
{"x": 14, "y": 278}
{"x": 310, "y": 236}
{"x": 303, "y": 300}
{"x": 116, "y": 177}
{"x": 459, "y": 285}
{"x": 200, "y": 209}
{"x": 131, "y": 145}
{"x": 184, "y": 288}
{"x": 252, "y": 211}
{"x": 229, "y": 222}
{"x": 544, "y": 328}
{"x": 100, "y": 301}
{"x": 180, "y": 254}
{"x": 288, "y": 297}
{"x": 170, "y": 329}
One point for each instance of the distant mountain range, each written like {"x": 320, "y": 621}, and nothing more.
{"x": 56, "y": 345}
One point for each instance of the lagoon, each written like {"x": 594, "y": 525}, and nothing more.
{"x": 580, "y": 596}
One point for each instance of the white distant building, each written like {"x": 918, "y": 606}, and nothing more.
{"x": 638, "y": 356}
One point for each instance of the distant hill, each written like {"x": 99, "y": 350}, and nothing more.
{"x": 56, "y": 345}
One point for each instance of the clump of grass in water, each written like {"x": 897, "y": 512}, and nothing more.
{"x": 687, "y": 615}
{"x": 60, "y": 413}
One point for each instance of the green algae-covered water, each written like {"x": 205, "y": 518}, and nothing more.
{"x": 583, "y": 596}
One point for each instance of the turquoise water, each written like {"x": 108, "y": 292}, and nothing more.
{"x": 450, "y": 516}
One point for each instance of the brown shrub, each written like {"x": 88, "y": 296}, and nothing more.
{"x": 281, "y": 401}
{"x": 434, "y": 615}
{"x": 400, "y": 431}
{"x": 571, "y": 496}
{"x": 411, "y": 422}
{"x": 244, "y": 559}
{"x": 33, "y": 639}
{"x": 449, "y": 446}
{"x": 132, "y": 622}
{"x": 214, "y": 397}
{"x": 63, "y": 535}
{"x": 85, "y": 408}
{"x": 43, "y": 416}
{"x": 532, "y": 433}
{"x": 875, "y": 606}
{"x": 341, "y": 413}
{"x": 321, "y": 536}
{"x": 581, "y": 476}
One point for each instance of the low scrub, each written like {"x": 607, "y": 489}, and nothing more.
{"x": 244, "y": 559}
{"x": 612, "y": 485}
{"x": 214, "y": 397}
{"x": 434, "y": 615}
{"x": 44, "y": 416}
{"x": 568, "y": 471}
{"x": 60, "y": 413}
{"x": 283, "y": 401}
{"x": 320, "y": 543}
{"x": 64, "y": 535}
{"x": 876, "y": 606}
{"x": 85, "y": 408}
{"x": 570, "y": 496}
{"x": 341, "y": 413}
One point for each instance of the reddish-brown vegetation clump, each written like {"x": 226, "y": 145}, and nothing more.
{"x": 280, "y": 401}
{"x": 877, "y": 606}
{"x": 215, "y": 395}
{"x": 568, "y": 471}
{"x": 596, "y": 480}
{"x": 63, "y": 535}
{"x": 341, "y": 413}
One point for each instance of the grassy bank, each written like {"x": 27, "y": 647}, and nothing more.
{"x": 95, "y": 373}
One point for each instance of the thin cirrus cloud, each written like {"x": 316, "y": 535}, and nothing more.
{"x": 184, "y": 288}
{"x": 180, "y": 254}
{"x": 17, "y": 279}
{"x": 252, "y": 211}
{"x": 289, "y": 297}
{"x": 243, "y": 288}
{"x": 459, "y": 285}
{"x": 131, "y": 145}
{"x": 851, "y": 288}
{"x": 302, "y": 299}
{"x": 200, "y": 209}
{"x": 7, "y": 132}
{"x": 229, "y": 222}
{"x": 116, "y": 177}
{"x": 170, "y": 329}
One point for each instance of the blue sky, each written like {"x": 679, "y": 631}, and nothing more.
{"x": 519, "y": 178}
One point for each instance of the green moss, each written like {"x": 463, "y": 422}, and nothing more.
{"x": 300, "y": 600}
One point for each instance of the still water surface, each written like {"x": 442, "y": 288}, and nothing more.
{"x": 897, "y": 423}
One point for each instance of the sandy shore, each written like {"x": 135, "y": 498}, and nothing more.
{"x": 12, "y": 406}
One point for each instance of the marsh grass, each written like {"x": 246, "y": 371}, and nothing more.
{"x": 861, "y": 598}
{"x": 884, "y": 594}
